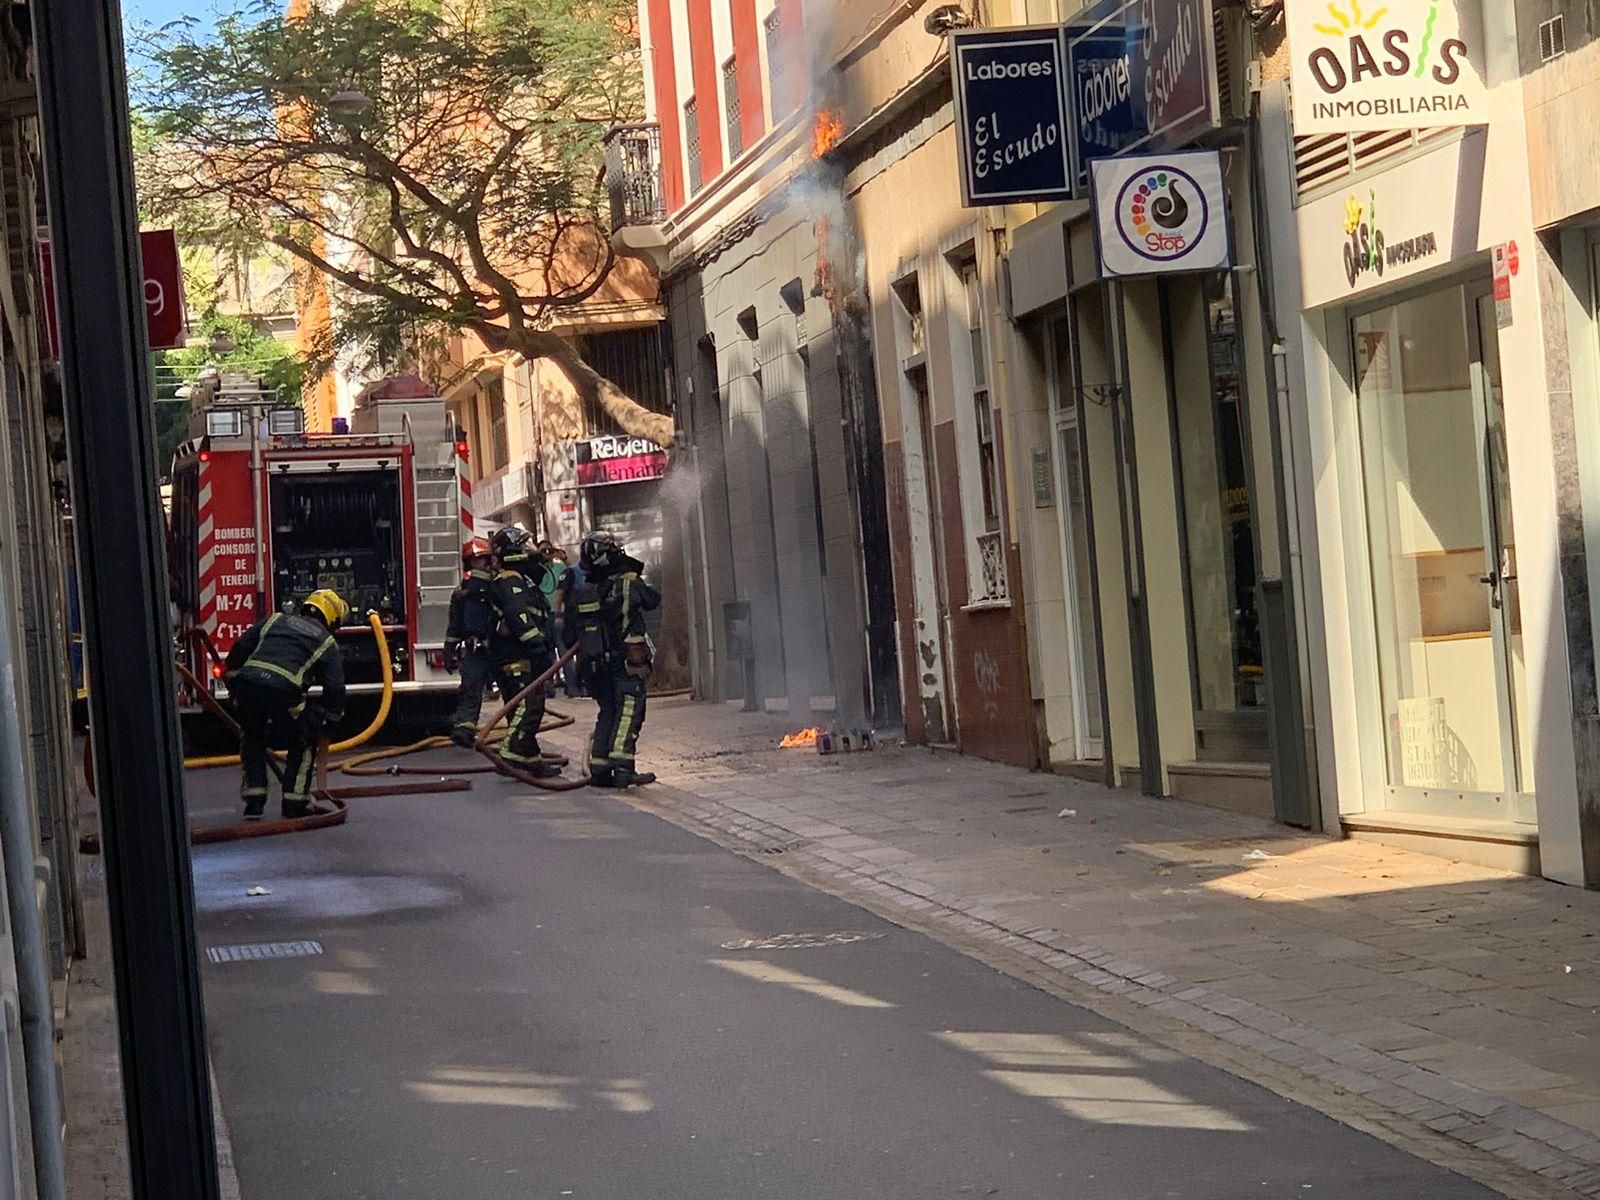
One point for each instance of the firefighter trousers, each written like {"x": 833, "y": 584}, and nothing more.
{"x": 621, "y": 697}
{"x": 267, "y": 716}
{"x": 478, "y": 670}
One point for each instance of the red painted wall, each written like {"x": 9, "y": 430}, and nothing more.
{"x": 792, "y": 24}
{"x": 747, "y": 51}
{"x": 707, "y": 89}
{"x": 989, "y": 667}
{"x": 667, "y": 104}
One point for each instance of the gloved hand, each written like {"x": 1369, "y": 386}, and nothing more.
{"x": 452, "y": 656}
{"x": 638, "y": 659}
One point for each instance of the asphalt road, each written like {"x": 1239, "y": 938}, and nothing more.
{"x": 525, "y": 996}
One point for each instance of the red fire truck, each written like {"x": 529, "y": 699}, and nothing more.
{"x": 263, "y": 514}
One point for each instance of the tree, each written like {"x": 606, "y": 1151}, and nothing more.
{"x": 438, "y": 161}
{"x": 254, "y": 353}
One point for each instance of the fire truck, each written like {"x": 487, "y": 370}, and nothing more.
{"x": 264, "y": 513}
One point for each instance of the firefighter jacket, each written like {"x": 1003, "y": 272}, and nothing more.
{"x": 474, "y": 615}
{"x": 524, "y": 615}
{"x": 624, "y": 600}
{"x": 290, "y": 654}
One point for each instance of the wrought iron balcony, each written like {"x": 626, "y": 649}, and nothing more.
{"x": 633, "y": 176}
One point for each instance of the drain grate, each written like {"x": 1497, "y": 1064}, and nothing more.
{"x": 801, "y": 941}
{"x": 261, "y": 951}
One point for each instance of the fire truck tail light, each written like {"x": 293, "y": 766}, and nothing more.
{"x": 216, "y": 671}
{"x": 462, "y": 450}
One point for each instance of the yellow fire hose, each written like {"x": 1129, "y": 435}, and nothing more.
{"x": 385, "y": 705}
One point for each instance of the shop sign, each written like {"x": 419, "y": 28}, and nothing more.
{"x": 1141, "y": 77}
{"x": 165, "y": 318}
{"x": 1416, "y": 217}
{"x": 613, "y": 459}
{"x": 1395, "y": 64}
{"x": 1011, "y": 115}
{"x": 1161, "y": 214}
{"x": 1502, "y": 257}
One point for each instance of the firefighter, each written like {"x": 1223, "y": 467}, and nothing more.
{"x": 474, "y": 617}
{"x": 605, "y": 620}
{"x": 521, "y": 646}
{"x": 271, "y": 671}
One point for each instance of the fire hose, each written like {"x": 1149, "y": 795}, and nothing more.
{"x": 385, "y": 705}
{"x": 361, "y": 765}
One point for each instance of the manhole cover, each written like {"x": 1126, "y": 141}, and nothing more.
{"x": 800, "y": 941}
{"x": 261, "y": 951}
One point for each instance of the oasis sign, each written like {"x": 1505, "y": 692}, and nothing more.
{"x": 1011, "y": 113}
{"x": 1385, "y": 64}
{"x": 1141, "y": 78}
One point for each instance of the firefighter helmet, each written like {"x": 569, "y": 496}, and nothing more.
{"x": 328, "y": 605}
{"x": 476, "y": 548}
{"x": 511, "y": 541}
{"x": 601, "y": 553}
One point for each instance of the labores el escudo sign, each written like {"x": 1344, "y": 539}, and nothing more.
{"x": 1385, "y": 64}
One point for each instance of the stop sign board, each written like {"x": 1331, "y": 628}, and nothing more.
{"x": 163, "y": 290}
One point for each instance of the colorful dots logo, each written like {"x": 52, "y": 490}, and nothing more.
{"x": 1162, "y": 214}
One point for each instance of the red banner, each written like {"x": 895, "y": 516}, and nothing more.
{"x": 163, "y": 291}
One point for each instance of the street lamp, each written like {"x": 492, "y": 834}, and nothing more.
{"x": 349, "y": 102}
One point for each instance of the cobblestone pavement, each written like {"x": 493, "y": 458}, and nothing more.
{"x": 1452, "y": 1008}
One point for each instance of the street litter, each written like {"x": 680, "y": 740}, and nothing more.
{"x": 846, "y": 741}
{"x": 1258, "y": 856}
{"x": 259, "y": 891}
{"x": 1067, "y": 812}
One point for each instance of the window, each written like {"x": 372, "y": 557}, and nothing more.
{"x": 777, "y": 73}
{"x": 494, "y": 395}
{"x": 982, "y": 406}
{"x": 730, "y": 101}
{"x": 691, "y": 138}
{"x": 1552, "y": 38}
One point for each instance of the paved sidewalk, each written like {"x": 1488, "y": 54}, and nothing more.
{"x": 91, "y": 1071}
{"x": 1449, "y": 1006}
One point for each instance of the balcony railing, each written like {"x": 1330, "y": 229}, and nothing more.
{"x": 633, "y": 176}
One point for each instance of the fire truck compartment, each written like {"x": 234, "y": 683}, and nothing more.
{"x": 340, "y": 530}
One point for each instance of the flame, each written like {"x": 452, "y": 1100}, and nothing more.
{"x": 798, "y": 741}
{"x": 826, "y": 133}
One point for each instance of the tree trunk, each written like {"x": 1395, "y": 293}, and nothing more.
{"x": 590, "y": 384}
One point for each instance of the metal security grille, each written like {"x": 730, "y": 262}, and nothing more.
{"x": 1552, "y": 38}
{"x": 1323, "y": 162}
{"x": 691, "y": 137}
{"x": 730, "y": 102}
{"x": 263, "y": 951}
{"x": 777, "y": 75}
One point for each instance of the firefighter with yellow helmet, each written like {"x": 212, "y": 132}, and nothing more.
{"x": 271, "y": 671}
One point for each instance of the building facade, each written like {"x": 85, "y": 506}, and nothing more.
{"x": 1301, "y": 537}
{"x": 538, "y": 454}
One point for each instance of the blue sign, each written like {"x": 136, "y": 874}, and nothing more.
{"x": 1141, "y": 78}
{"x": 1011, "y": 115}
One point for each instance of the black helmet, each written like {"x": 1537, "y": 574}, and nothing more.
{"x": 601, "y": 553}
{"x": 512, "y": 545}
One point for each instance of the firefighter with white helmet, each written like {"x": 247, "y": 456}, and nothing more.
{"x": 271, "y": 671}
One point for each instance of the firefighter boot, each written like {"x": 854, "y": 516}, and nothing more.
{"x": 602, "y": 777}
{"x": 465, "y": 736}
{"x": 255, "y": 805}
{"x": 626, "y": 777}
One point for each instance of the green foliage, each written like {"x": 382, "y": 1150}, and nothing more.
{"x": 459, "y": 192}
{"x": 255, "y": 352}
